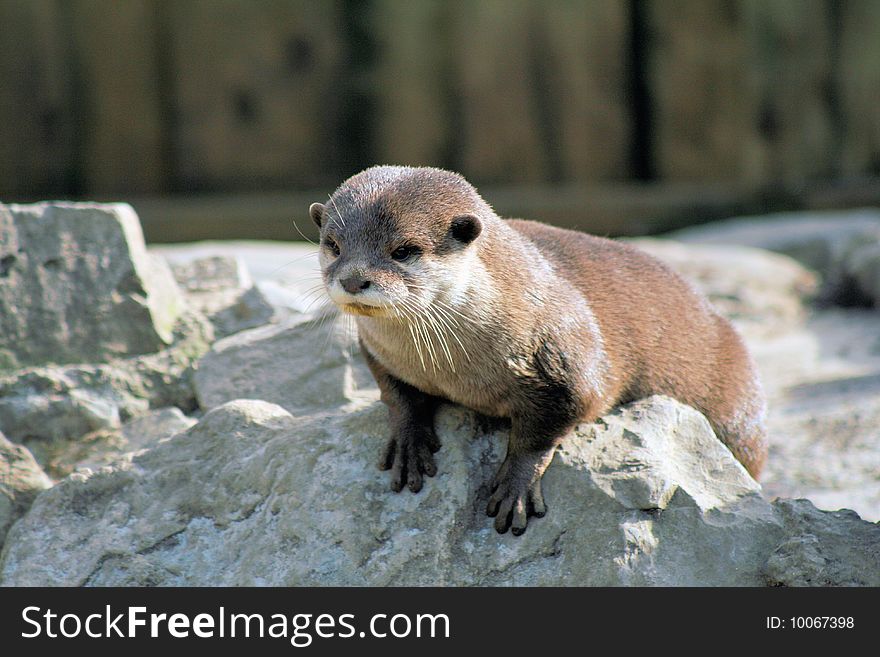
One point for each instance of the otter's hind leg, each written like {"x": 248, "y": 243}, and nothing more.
{"x": 409, "y": 453}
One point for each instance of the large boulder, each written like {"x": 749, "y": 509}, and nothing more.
{"x": 78, "y": 286}
{"x": 253, "y": 495}
{"x": 99, "y": 375}
{"x": 20, "y": 481}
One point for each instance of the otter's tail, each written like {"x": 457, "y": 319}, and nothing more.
{"x": 738, "y": 409}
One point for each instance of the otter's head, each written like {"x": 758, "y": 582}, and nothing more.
{"x": 396, "y": 239}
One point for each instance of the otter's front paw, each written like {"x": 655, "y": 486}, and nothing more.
{"x": 516, "y": 495}
{"x": 409, "y": 456}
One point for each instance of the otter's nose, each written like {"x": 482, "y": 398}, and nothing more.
{"x": 354, "y": 284}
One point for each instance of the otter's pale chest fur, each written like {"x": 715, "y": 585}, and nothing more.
{"x": 475, "y": 339}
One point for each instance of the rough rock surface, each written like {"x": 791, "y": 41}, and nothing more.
{"x": 220, "y": 288}
{"x": 822, "y": 547}
{"x": 46, "y": 407}
{"x": 255, "y": 496}
{"x": 106, "y": 446}
{"x": 147, "y": 430}
{"x": 305, "y": 365}
{"x": 20, "y": 481}
{"x": 78, "y": 286}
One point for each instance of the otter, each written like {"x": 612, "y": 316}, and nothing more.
{"x": 516, "y": 319}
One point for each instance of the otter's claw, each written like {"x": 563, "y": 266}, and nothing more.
{"x": 514, "y": 498}
{"x": 408, "y": 458}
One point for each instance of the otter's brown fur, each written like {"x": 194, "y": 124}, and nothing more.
{"x": 517, "y": 319}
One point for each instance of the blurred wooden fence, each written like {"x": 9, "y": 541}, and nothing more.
{"x": 104, "y": 97}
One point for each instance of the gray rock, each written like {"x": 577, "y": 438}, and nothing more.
{"x": 20, "y": 481}
{"x": 104, "y": 447}
{"x": 863, "y": 264}
{"x": 671, "y": 448}
{"x": 824, "y": 549}
{"x": 303, "y": 365}
{"x": 286, "y": 273}
{"x": 47, "y": 407}
{"x": 78, "y": 286}
{"x": 221, "y": 288}
{"x": 255, "y": 496}
{"x": 232, "y": 313}
{"x": 147, "y": 430}
{"x": 844, "y": 247}
{"x": 212, "y": 274}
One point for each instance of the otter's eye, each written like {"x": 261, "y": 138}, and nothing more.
{"x": 404, "y": 252}
{"x": 332, "y": 245}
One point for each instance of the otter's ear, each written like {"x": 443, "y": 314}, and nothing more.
{"x": 316, "y": 210}
{"x": 465, "y": 228}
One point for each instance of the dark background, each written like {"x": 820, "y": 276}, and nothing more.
{"x": 224, "y": 118}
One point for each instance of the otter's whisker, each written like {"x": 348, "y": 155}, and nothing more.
{"x": 338, "y": 214}
{"x": 318, "y": 297}
{"x": 301, "y": 234}
{"x": 442, "y": 310}
{"x": 441, "y": 338}
{"x": 443, "y": 320}
{"x": 429, "y": 344}
{"x": 416, "y": 343}
{"x": 436, "y": 300}
{"x": 417, "y": 317}
{"x": 325, "y": 324}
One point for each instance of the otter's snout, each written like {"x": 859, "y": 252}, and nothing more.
{"x": 354, "y": 284}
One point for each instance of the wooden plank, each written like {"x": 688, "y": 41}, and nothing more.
{"x": 255, "y": 92}
{"x": 37, "y": 132}
{"x": 858, "y": 82}
{"x": 496, "y": 110}
{"x": 121, "y": 127}
{"x": 791, "y": 57}
{"x": 413, "y": 123}
{"x": 582, "y": 52}
{"x": 740, "y": 90}
{"x": 520, "y": 90}
{"x": 703, "y": 104}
